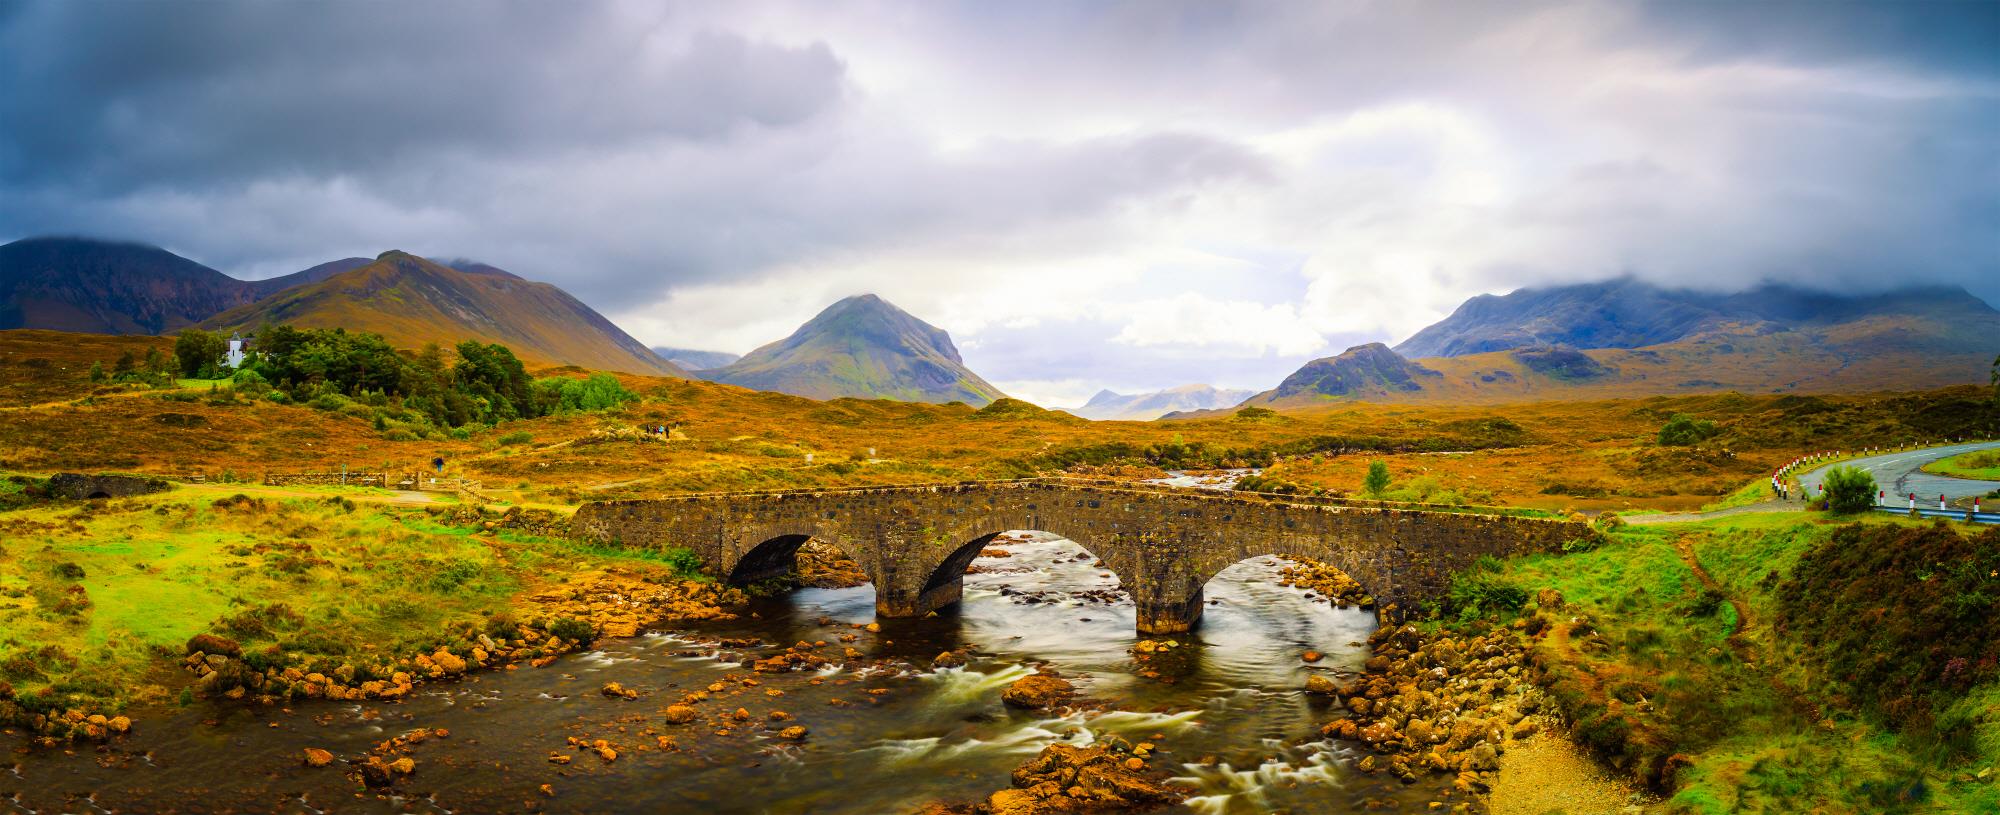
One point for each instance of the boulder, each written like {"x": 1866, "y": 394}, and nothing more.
{"x": 1321, "y": 685}
{"x": 679, "y": 714}
{"x": 213, "y": 644}
{"x": 1038, "y": 691}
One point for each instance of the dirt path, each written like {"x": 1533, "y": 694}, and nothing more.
{"x": 1549, "y": 773}
{"x": 1739, "y": 641}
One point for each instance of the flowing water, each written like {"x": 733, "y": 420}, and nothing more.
{"x": 1224, "y": 706}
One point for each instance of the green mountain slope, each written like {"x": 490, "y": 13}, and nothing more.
{"x": 866, "y": 348}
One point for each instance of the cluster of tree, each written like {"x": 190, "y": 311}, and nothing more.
{"x": 1682, "y": 430}
{"x": 361, "y": 374}
{"x": 200, "y": 354}
{"x": 485, "y": 384}
{"x": 154, "y": 369}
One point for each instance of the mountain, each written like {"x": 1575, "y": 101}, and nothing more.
{"x": 1145, "y": 407}
{"x": 412, "y": 301}
{"x": 1576, "y": 343}
{"x": 272, "y": 285}
{"x": 110, "y": 287}
{"x": 1628, "y": 313}
{"x": 102, "y": 287}
{"x": 1370, "y": 370}
{"x": 694, "y": 360}
{"x": 866, "y": 348}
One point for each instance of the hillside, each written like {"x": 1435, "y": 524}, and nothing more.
{"x": 100, "y": 287}
{"x": 694, "y": 360}
{"x": 413, "y": 301}
{"x": 269, "y": 286}
{"x": 1144, "y": 407}
{"x": 110, "y": 287}
{"x": 866, "y": 348}
{"x": 1788, "y": 342}
{"x": 1628, "y": 313}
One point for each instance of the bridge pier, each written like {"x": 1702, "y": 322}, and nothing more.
{"x": 1169, "y": 616}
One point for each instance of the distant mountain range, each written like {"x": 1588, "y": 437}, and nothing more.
{"x": 412, "y": 301}
{"x": 105, "y": 287}
{"x": 866, "y": 348}
{"x": 1616, "y": 338}
{"x": 694, "y": 360}
{"x": 1143, "y": 407}
{"x": 1626, "y": 338}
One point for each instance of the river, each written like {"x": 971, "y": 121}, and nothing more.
{"x": 1225, "y": 707}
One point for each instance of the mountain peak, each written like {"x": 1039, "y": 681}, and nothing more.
{"x": 864, "y": 347}
{"x": 1361, "y": 370}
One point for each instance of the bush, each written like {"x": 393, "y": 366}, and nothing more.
{"x": 572, "y": 629}
{"x": 1900, "y": 617}
{"x": 1682, "y": 430}
{"x": 1849, "y": 490}
{"x": 684, "y": 562}
{"x": 516, "y": 437}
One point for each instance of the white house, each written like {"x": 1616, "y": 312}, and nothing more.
{"x": 235, "y": 355}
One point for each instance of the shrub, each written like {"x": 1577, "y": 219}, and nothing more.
{"x": 683, "y": 561}
{"x": 1682, "y": 430}
{"x": 572, "y": 629}
{"x": 1849, "y": 490}
{"x": 516, "y": 437}
{"x": 455, "y": 574}
{"x": 1900, "y": 617}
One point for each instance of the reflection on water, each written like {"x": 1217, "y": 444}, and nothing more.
{"x": 1225, "y": 705}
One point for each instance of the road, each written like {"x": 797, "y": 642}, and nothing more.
{"x": 1901, "y": 474}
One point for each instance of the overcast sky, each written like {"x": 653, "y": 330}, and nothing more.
{"x": 1085, "y": 195}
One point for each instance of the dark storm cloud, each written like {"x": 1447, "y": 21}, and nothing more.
{"x": 1100, "y": 179}
{"x": 113, "y": 98}
{"x": 1952, "y": 36}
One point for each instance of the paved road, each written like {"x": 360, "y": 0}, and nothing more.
{"x": 1902, "y": 474}
{"x": 1899, "y": 473}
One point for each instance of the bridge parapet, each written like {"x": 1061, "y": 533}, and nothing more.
{"x": 1163, "y": 543}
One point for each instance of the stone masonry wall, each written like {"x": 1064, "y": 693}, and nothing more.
{"x": 1163, "y": 544}
{"x": 327, "y": 479}
{"x": 77, "y": 486}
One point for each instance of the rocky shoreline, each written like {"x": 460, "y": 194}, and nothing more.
{"x": 1439, "y": 704}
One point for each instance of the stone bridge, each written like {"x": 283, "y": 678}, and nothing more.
{"x": 1163, "y": 543}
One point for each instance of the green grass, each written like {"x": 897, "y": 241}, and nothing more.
{"x": 325, "y": 577}
{"x": 1980, "y": 464}
{"x": 1756, "y": 492}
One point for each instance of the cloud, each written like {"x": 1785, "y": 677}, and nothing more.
{"x": 1131, "y": 195}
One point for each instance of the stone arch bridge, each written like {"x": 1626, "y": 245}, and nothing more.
{"x": 1163, "y": 543}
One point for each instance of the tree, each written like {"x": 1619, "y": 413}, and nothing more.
{"x": 1682, "y": 430}
{"x": 1377, "y": 480}
{"x": 97, "y": 371}
{"x": 1849, "y": 490}
{"x": 200, "y": 352}
{"x": 1996, "y": 379}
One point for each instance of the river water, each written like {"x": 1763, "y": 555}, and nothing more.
{"x": 1225, "y": 707}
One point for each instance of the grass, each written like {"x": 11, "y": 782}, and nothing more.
{"x": 116, "y": 588}
{"x": 1980, "y": 464}
{"x": 1653, "y": 632}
